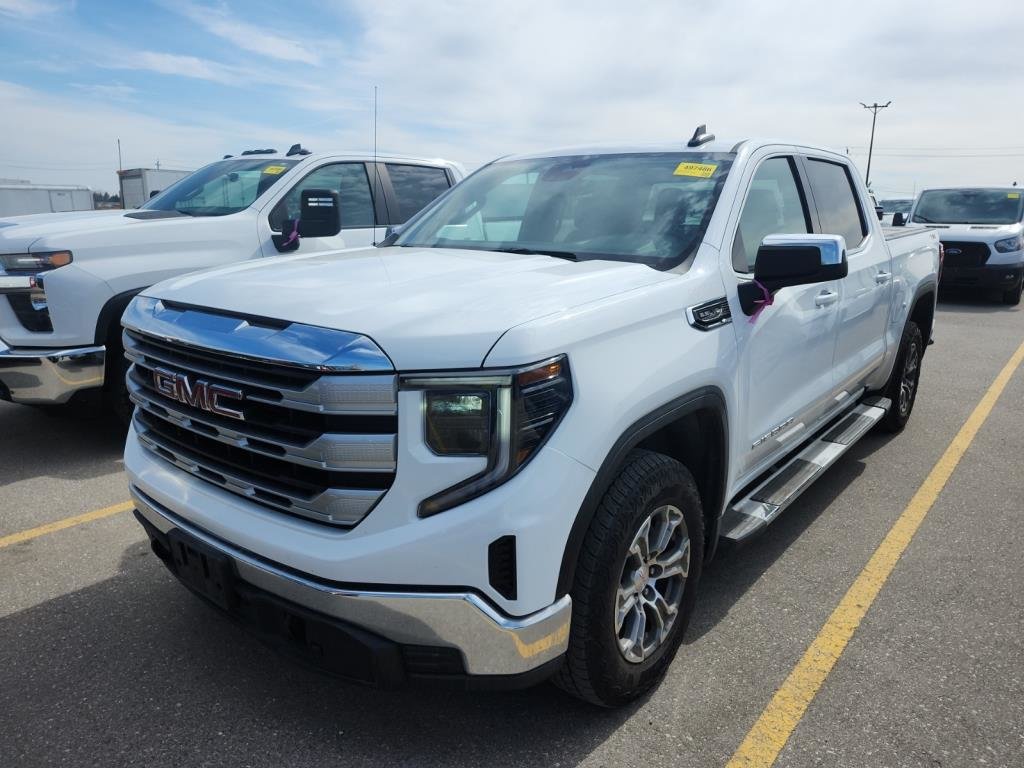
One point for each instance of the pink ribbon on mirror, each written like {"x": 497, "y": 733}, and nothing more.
{"x": 294, "y": 235}
{"x": 767, "y": 301}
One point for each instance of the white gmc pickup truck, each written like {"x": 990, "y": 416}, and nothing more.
{"x": 68, "y": 276}
{"x": 503, "y": 445}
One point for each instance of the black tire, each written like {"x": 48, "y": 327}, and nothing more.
{"x": 1012, "y": 296}
{"x": 115, "y": 391}
{"x": 910, "y": 355}
{"x": 595, "y": 669}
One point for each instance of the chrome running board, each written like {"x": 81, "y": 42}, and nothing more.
{"x": 765, "y": 502}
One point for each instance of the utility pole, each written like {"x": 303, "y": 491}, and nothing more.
{"x": 119, "y": 166}
{"x": 158, "y": 163}
{"x": 875, "y": 108}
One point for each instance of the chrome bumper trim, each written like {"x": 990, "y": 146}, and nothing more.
{"x": 490, "y": 642}
{"x": 38, "y": 376}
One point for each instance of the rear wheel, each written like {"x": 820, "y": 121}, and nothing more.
{"x": 906, "y": 374}
{"x": 636, "y": 581}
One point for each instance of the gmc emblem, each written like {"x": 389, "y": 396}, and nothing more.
{"x": 198, "y": 394}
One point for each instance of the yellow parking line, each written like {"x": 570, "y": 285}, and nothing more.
{"x": 67, "y": 522}
{"x": 773, "y": 728}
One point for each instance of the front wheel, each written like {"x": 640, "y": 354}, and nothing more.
{"x": 115, "y": 390}
{"x": 636, "y": 581}
{"x": 906, "y": 375}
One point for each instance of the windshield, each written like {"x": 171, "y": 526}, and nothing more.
{"x": 651, "y": 208}
{"x": 220, "y": 188}
{"x": 897, "y": 206}
{"x": 969, "y": 206}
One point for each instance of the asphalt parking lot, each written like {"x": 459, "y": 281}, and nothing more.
{"x": 106, "y": 660}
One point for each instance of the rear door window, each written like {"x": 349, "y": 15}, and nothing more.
{"x": 774, "y": 206}
{"x": 349, "y": 180}
{"x": 415, "y": 186}
{"x": 838, "y": 210}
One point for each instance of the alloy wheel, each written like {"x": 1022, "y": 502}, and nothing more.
{"x": 652, "y": 583}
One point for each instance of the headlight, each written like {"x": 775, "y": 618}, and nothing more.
{"x": 34, "y": 262}
{"x": 1010, "y": 244}
{"x": 504, "y": 415}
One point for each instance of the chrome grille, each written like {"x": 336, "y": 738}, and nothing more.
{"x": 314, "y": 442}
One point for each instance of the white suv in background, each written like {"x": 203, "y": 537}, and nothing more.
{"x": 982, "y": 230}
{"x": 68, "y": 276}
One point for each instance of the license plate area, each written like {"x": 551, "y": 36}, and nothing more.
{"x": 202, "y": 568}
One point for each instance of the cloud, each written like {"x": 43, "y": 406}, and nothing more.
{"x": 27, "y": 9}
{"x": 112, "y": 91}
{"x": 182, "y": 66}
{"x": 263, "y": 40}
{"x": 37, "y": 137}
{"x": 485, "y": 80}
{"x": 472, "y": 81}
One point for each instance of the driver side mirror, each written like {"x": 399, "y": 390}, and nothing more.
{"x": 879, "y": 212}
{"x": 785, "y": 260}
{"x": 899, "y": 220}
{"x": 320, "y": 213}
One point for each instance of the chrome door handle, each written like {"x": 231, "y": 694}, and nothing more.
{"x": 826, "y": 298}
{"x": 883, "y": 277}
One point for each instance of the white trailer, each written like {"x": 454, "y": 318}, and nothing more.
{"x": 23, "y": 198}
{"x": 140, "y": 184}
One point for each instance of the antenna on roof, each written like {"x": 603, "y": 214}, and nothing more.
{"x": 700, "y": 136}
{"x": 296, "y": 149}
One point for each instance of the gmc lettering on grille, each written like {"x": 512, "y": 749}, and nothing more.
{"x": 200, "y": 394}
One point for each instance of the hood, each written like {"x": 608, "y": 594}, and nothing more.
{"x": 45, "y": 231}
{"x": 425, "y": 307}
{"x": 981, "y": 233}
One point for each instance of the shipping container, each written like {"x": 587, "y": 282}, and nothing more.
{"x": 24, "y": 198}
{"x": 140, "y": 184}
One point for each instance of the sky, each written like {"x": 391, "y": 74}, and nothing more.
{"x": 185, "y": 82}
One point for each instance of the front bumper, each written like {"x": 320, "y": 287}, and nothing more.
{"x": 1003, "y": 276}
{"x": 491, "y": 646}
{"x": 41, "y": 376}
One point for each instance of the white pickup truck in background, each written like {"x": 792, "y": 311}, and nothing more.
{"x": 502, "y": 445}
{"x": 982, "y": 229}
{"x": 66, "y": 278}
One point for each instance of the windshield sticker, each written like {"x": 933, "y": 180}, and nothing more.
{"x": 697, "y": 170}
{"x": 1013, "y": 195}
{"x": 274, "y": 169}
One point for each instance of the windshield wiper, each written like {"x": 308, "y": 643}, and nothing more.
{"x": 568, "y": 255}
{"x": 923, "y": 219}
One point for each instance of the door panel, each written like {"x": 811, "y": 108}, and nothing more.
{"x": 785, "y": 377}
{"x": 865, "y": 293}
{"x": 787, "y": 354}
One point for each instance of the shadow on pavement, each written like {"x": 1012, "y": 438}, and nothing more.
{"x": 77, "y": 441}
{"x": 736, "y": 568}
{"x": 135, "y": 670}
{"x": 973, "y": 301}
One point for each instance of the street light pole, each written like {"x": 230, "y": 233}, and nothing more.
{"x": 874, "y": 116}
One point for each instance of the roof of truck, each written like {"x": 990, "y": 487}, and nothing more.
{"x": 714, "y": 146}
{"x": 361, "y": 155}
